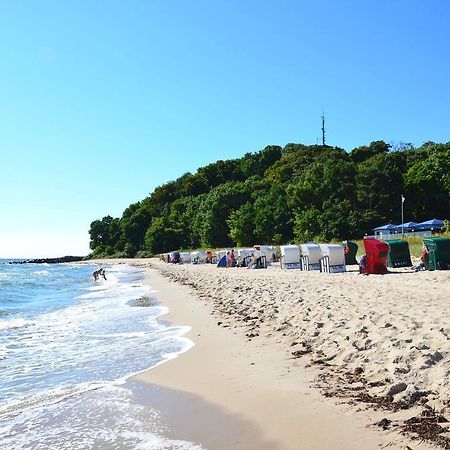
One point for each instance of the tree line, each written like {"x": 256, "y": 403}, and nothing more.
{"x": 279, "y": 195}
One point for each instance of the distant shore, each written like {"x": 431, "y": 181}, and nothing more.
{"x": 61, "y": 259}
{"x": 269, "y": 343}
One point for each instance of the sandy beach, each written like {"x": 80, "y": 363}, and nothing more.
{"x": 298, "y": 360}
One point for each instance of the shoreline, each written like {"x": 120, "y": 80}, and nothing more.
{"x": 254, "y": 384}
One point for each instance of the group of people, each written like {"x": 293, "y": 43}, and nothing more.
{"x": 99, "y": 273}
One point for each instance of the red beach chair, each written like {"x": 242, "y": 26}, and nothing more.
{"x": 376, "y": 255}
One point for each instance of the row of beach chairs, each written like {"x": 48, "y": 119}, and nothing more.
{"x": 379, "y": 255}
{"x": 329, "y": 258}
{"x": 261, "y": 254}
{"x": 324, "y": 257}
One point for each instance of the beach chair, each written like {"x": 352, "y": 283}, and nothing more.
{"x": 290, "y": 257}
{"x": 311, "y": 255}
{"x": 438, "y": 253}
{"x": 399, "y": 255}
{"x": 260, "y": 263}
{"x": 350, "y": 251}
{"x": 376, "y": 255}
{"x": 333, "y": 258}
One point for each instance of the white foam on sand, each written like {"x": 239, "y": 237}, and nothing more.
{"x": 105, "y": 418}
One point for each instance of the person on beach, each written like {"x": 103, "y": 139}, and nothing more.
{"x": 228, "y": 258}
{"x": 98, "y": 273}
{"x": 424, "y": 260}
{"x": 232, "y": 259}
{"x": 363, "y": 265}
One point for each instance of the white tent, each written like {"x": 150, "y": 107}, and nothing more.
{"x": 290, "y": 257}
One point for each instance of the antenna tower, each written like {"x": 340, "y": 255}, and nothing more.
{"x": 323, "y": 129}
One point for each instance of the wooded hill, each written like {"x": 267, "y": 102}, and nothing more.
{"x": 279, "y": 195}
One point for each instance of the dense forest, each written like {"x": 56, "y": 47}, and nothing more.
{"x": 279, "y": 195}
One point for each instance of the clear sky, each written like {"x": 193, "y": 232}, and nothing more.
{"x": 102, "y": 101}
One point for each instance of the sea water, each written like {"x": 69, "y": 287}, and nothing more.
{"x": 67, "y": 345}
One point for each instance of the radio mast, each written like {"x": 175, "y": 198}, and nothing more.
{"x": 323, "y": 129}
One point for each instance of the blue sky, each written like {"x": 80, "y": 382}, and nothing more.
{"x": 100, "y": 102}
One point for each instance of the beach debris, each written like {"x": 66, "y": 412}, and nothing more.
{"x": 252, "y": 334}
{"x": 427, "y": 426}
{"x": 303, "y": 351}
{"x": 384, "y": 423}
{"x": 396, "y": 389}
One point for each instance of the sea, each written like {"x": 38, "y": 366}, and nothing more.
{"x": 68, "y": 348}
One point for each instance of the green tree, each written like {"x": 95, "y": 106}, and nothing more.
{"x": 216, "y": 208}
{"x": 379, "y": 186}
{"x": 428, "y": 184}
{"x": 273, "y": 219}
{"x": 161, "y": 238}
{"x": 365, "y": 152}
{"x": 99, "y": 233}
{"x": 241, "y": 225}
{"x": 135, "y": 222}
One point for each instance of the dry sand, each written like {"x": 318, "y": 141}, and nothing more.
{"x": 376, "y": 337}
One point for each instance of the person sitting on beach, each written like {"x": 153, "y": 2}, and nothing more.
{"x": 424, "y": 260}
{"x": 363, "y": 265}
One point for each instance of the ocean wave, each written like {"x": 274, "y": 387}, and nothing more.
{"x": 47, "y": 397}
{"x": 104, "y": 418}
{"x": 146, "y": 440}
{"x": 117, "y": 290}
{"x": 117, "y": 335}
{"x": 187, "y": 344}
{"x": 9, "y": 324}
{"x": 6, "y": 274}
{"x": 41, "y": 272}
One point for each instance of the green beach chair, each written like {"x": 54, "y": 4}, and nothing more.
{"x": 438, "y": 252}
{"x": 399, "y": 255}
{"x": 350, "y": 250}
